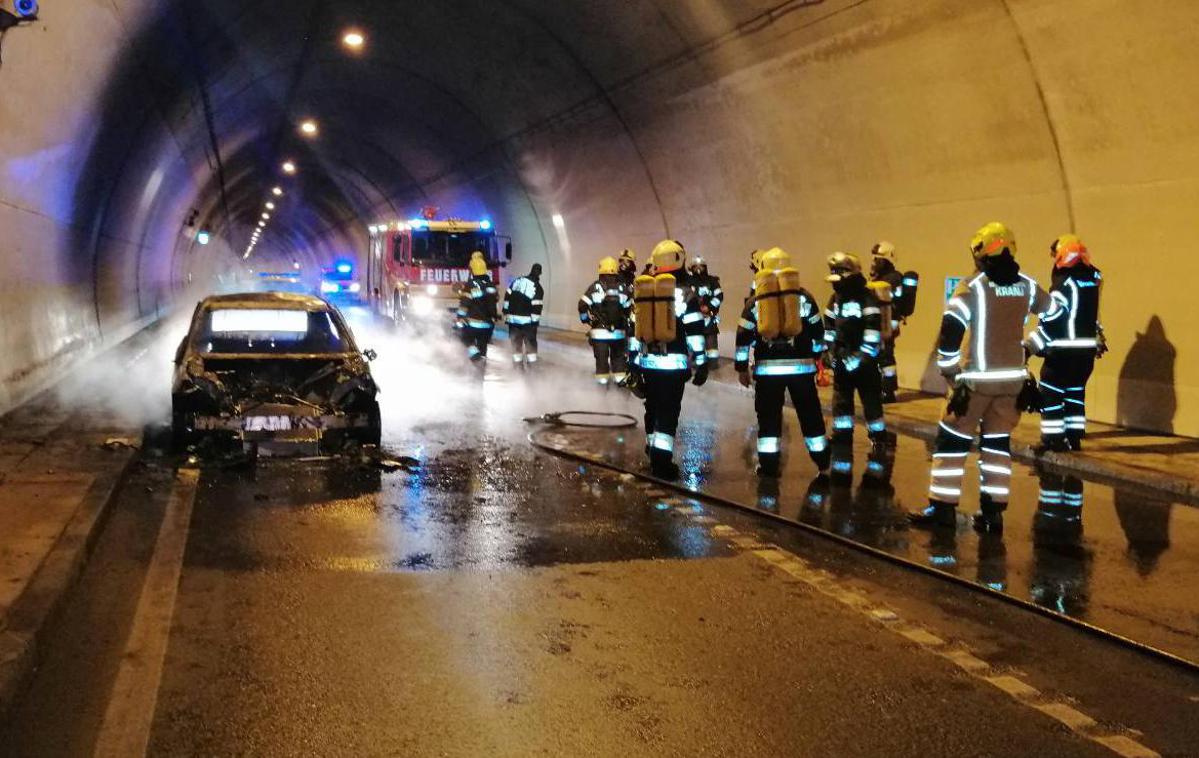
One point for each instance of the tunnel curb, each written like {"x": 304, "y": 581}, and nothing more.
{"x": 1161, "y": 483}
{"x": 31, "y": 615}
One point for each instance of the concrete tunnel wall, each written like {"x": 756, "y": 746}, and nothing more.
{"x": 587, "y": 127}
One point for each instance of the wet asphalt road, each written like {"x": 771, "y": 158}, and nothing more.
{"x": 500, "y": 601}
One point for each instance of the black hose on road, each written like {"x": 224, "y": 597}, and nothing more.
{"x": 622, "y": 420}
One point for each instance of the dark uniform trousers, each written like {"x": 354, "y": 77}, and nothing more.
{"x": 866, "y": 381}
{"x": 663, "y": 405}
{"x": 524, "y": 341}
{"x": 1064, "y": 393}
{"x": 611, "y": 359}
{"x": 476, "y": 341}
{"x": 769, "y": 397}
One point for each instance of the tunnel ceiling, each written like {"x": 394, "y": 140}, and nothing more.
{"x": 436, "y": 94}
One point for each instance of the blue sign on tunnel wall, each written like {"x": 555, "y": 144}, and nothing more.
{"x": 951, "y": 284}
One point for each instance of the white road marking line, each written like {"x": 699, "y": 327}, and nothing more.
{"x": 125, "y": 732}
{"x": 1128, "y": 748}
{"x": 1071, "y": 717}
{"x": 1024, "y": 693}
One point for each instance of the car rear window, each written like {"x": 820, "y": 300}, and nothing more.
{"x": 268, "y": 330}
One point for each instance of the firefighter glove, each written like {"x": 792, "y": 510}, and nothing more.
{"x": 1029, "y": 399}
{"x": 851, "y": 363}
{"x": 959, "y": 401}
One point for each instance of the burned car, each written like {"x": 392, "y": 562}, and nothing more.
{"x": 272, "y": 369}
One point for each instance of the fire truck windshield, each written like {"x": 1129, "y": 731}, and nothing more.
{"x": 448, "y": 248}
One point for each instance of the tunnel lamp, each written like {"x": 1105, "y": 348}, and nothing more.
{"x": 266, "y": 216}
{"x": 353, "y": 40}
{"x": 203, "y": 237}
{"x": 309, "y": 128}
{"x": 277, "y": 192}
{"x": 270, "y": 206}
{"x": 289, "y": 168}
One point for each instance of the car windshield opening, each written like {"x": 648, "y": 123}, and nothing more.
{"x": 269, "y": 330}
{"x": 448, "y": 248}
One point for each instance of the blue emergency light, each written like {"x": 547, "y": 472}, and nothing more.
{"x": 203, "y": 238}
{"x": 345, "y": 268}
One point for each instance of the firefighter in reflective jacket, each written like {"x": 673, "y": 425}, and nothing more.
{"x": 853, "y": 334}
{"x": 669, "y": 349}
{"x": 477, "y": 305}
{"x": 902, "y": 303}
{"x": 605, "y": 307}
{"x": 711, "y": 297}
{"x": 987, "y": 380}
{"x": 783, "y": 328}
{"x": 522, "y": 312}
{"x": 1069, "y": 345}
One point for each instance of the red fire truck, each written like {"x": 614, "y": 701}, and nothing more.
{"x": 416, "y": 267}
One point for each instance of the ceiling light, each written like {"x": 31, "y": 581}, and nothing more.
{"x": 266, "y": 216}
{"x": 289, "y": 167}
{"x": 309, "y": 128}
{"x": 353, "y": 39}
{"x": 270, "y": 206}
{"x": 277, "y": 192}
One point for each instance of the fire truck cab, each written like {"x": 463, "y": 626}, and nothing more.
{"x": 417, "y": 267}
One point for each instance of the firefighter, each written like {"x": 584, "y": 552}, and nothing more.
{"x": 662, "y": 367}
{"x": 711, "y": 297}
{"x": 522, "y": 312}
{"x": 605, "y": 307}
{"x": 627, "y": 268}
{"x": 1069, "y": 345}
{"x": 902, "y": 302}
{"x": 988, "y": 383}
{"x": 477, "y": 305}
{"x": 783, "y": 365}
{"x": 853, "y": 334}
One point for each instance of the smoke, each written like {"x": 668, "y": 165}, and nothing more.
{"x": 429, "y": 390}
{"x": 427, "y": 385}
{"x": 128, "y": 385}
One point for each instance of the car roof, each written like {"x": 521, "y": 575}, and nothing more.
{"x": 288, "y": 300}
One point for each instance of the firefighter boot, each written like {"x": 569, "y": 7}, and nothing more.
{"x": 938, "y": 515}
{"x": 989, "y": 519}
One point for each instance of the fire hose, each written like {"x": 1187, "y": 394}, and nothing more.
{"x": 558, "y": 419}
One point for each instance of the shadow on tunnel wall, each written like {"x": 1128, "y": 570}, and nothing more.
{"x": 1146, "y": 397}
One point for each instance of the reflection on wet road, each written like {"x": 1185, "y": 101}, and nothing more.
{"x": 1114, "y": 558}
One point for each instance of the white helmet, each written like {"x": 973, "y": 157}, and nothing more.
{"x": 884, "y": 250}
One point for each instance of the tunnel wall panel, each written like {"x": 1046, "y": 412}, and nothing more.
{"x": 917, "y": 123}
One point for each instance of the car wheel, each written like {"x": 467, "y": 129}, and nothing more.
{"x": 373, "y": 434}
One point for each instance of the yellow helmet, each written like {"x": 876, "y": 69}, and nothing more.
{"x": 775, "y": 258}
{"x": 993, "y": 239}
{"x": 841, "y": 265}
{"x": 628, "y": 255}
{"x": 607, "y": 265}
{"x": 478, "y": 265}
{"x": 668, "y": 255}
